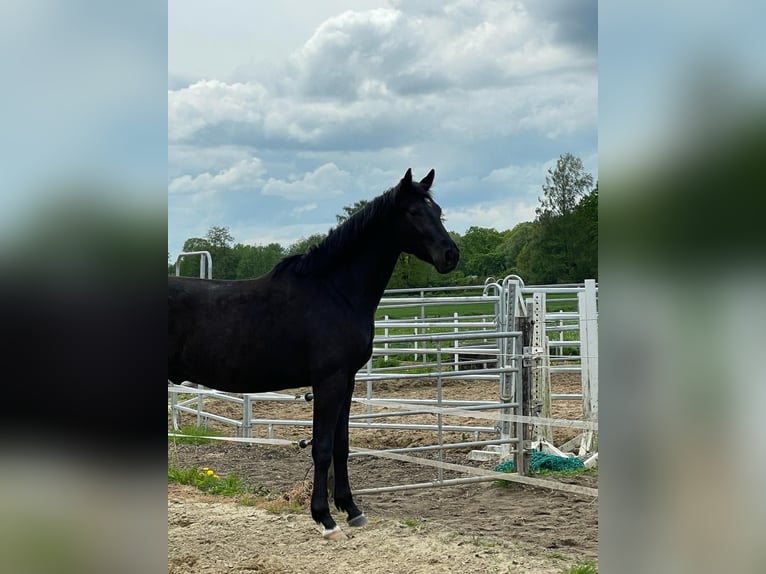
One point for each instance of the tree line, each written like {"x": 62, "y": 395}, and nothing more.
{"x": 559, "y": 246}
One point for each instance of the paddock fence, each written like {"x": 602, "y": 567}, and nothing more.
{"x": 504, "y": 332}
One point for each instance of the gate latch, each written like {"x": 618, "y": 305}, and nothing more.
{"x": 529, "y": 355}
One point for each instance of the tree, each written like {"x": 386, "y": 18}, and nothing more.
{"x": 480, "y": 252}
{"x": 350, "y": 210}
{"x": 521, "y": 235}
{"x": 563, "y": 186}
{"x": 219, "y": 240}
{"x": 586, "y": 237}
{"x": 563, "y": 248}
{"x": 254, "y": 261}
{"x": 305, "y": 243}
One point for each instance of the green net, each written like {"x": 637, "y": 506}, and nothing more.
{"x": 542, "y": 461}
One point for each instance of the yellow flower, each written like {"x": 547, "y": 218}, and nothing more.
{"x": 210, "y": 472}
{"x": 216, "y": 476}
{"x": 205, "y": 468}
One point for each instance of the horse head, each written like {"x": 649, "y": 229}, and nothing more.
{"x": 420, "y": 228}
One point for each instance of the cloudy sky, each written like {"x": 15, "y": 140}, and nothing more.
{"x": 282, "y": 112}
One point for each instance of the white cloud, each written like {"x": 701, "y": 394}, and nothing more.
{"x": 362, "y": 72}
{"x": 304, "y": 208}
{"x": 325, "y": 181}
{"x": 244, "y": 174}
{"x": 210, "y": 102}
{"x": 486, "y": 92}
{"x": 500, "y": 215}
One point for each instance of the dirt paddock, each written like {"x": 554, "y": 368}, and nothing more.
{"x": 470, "y": 528}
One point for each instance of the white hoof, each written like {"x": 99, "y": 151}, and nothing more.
{"x": 357, "y": 521}
{"x": 334, "y": 534}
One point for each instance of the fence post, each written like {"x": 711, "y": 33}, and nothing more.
{"x": 385, "y": 334}
{"x": 589, "y": 361}
{"x": 508, "y": 380}
{"x": 560, "y": 350}
{"x": 540, "y": 393}
{"x": 247, "y": 415}
{"x": 523, "y": 388}
{"x": 455, "y": 343}
{"x": 415, "y": 320}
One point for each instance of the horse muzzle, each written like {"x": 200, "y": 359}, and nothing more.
{"x": 448, "y": 259}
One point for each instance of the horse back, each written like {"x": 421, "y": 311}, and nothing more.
{"x": 266, "y": 334}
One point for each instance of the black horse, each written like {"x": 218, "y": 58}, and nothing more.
{"x": 309, "y": 321}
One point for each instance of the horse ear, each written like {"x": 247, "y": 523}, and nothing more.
{"x": 408, "y": 177}
{"x": 428, "y": 180}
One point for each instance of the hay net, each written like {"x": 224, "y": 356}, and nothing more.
{"x": 541, "y": 461}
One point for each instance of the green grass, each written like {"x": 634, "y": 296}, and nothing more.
{"x": 194, "y": 435}
{"x": 484, "y": 542}
{"x": 588, "y": 567}
{"x": 437, "y": 311}
{"x": 557, "y": 556}
{"x": 413, "y": 523}
{"x": 207, "y": 480}
{"x": 558, "y": 302}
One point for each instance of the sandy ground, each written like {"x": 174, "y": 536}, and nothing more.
{"x": 482, "y": 528}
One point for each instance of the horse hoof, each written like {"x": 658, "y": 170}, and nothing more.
{"x": 334, "y": 534}
{"x": 358, "y": 521}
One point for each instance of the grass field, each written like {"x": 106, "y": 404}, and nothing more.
{"x": 437, "y": 311}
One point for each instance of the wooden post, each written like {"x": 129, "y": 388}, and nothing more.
{"x": 524, "y": 431}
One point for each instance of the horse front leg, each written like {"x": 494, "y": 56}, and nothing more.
{"x": 328, "y": 401}
{"x": 342, "y": 492}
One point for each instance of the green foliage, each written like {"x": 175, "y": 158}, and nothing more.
{"x": 194, "y": 435}
{"x": 380, "y": 362}
{"x": 484, "y": 542}
{"x": 562, "y": 248}
{"x": 207, "y": 480}
{"x": 438, "y": 311}
{"x": 350, "y": 210}
{"x": 563, "y": 185}
{"x": 588, "y": 567}
{"x": 514, "y": 243}
{"x": 585, "y": 241}
{"x": 304, "y": 244}
{"x": 413, "y": 523}
{"x": 481, "y": 253}
{"x": 256, "y": 260}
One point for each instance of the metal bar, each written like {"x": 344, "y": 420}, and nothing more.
{"x": 206, "y": 415}
{"x": 445, "y": 445}
{"x": 510, "y": 476}
{"x": 447, "y": 374}
{"x": 379, "y": 426}
{"x": 426, "y": 408}
{"x": 410, "y": 324}
{"x": 419, "y": 485}
{"x": 448, "y": 336}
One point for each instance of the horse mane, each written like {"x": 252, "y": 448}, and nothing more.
{"x": 346, "y": 237}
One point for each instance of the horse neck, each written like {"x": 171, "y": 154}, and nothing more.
{"x": 364, "y": 276}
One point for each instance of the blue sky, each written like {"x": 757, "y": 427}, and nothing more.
{"x": 281, "y": 113}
